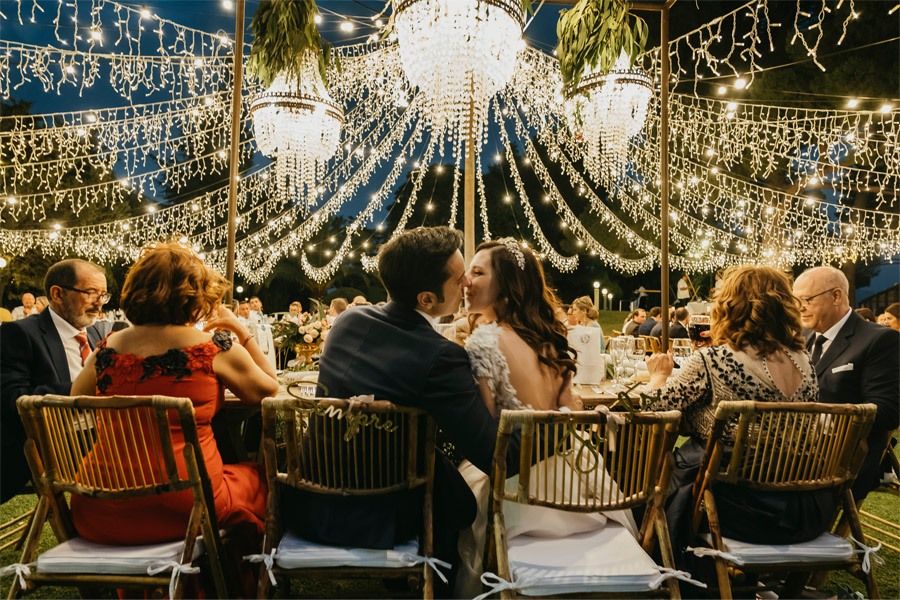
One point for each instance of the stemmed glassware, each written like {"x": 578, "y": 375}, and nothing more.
{"x": 681, "y": 350}
{"x": 637, "y": 349}
{"x": 617, "y": 351}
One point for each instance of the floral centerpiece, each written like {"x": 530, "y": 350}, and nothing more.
{"x": 303, "y": 333}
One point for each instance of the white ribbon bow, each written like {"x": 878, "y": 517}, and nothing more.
{"x": 666, "y": 573}
{"x": 713, "y": 552}
{"x": 20, "y": 570}
{"x": 495, "y": 584}
{"x": 432, "y": 562}
{"x": 177, "y": 569}
{"x": 869, "y": 554}
{"x": 266, "y": 559}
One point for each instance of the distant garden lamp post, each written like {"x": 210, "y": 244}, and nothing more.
{"x": 2, "y": 262}
{"x": 610, "y": 296}
{"x": 603, "y": 293}
{"x": 597, "y": 294}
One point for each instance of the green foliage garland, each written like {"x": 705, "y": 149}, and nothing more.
{"x": 594, "y": 32}
{"x": 282, "y": 31}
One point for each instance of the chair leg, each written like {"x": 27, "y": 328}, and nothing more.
{"x": 794, "y": 583}
{"x": 851, "y": 515}
{"x": 712, "y": 518}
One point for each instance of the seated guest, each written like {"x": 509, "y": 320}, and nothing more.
{"x": 256, "y": 311}
{"x": 360, "y": 301}
{"x": 166, "y": 292}
{"x": 679, "y": 328}
{"x": 866, "y": 314}
{"x": 757, "y": 353}
{"x": 892, "y": 316}
{"x": 41, "y": 302}
{"x": 295, "y": 313}
{"x": 640, "y": 316}
{"x": 855, "y": 361}
{"x": 586, "y": 315}
{"x": 44, "y": 354}
{"x": 27, "y": 308}
{"x": 657, "y": 329}
{"x": 337, "y": 306}
{"x": 562, "y": 313}
{"x": 245, "y": 313}
{"x": 650, "y": 322}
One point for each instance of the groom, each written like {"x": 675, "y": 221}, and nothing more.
{"x": 394, "y": 353}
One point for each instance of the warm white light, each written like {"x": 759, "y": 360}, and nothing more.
{"x": 886, "y": 108}
{"x": 740, "y": 83}
{"x": 346, "y": 26}
{"x": 597, "y": 286}
{"x": 3, "y": 262}
{"x": 852, "y": 103}
{"x": 227, "y": 4}
{"x": 318, "y": 19}
{"x": 721, "y": 91}
{"x": 239, "y": 289}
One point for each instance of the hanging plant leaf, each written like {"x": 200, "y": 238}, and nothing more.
{"x": 593, "y": 33}
{"x": 282, "y": 31}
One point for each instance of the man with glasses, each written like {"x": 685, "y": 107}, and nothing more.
{"x": 43, "y": 355}
{"x": 855, "y": 361}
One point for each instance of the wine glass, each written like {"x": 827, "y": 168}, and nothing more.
{"x": 681, "y": 350}
{"x": 617, "y": 346}
{"x": 637, "y": 349}
{"x": 697, "y": 326}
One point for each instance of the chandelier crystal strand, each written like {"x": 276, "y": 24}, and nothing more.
{"x": 458, "y": 53}
{"x": 296, "y": 122}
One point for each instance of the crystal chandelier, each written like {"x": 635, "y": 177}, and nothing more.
{"x": 299, "y": 125}
{"x": 459, "y": 53}
{"x": 608, "y": 110}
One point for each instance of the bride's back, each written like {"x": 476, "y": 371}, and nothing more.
{"x": 536, "y": 384}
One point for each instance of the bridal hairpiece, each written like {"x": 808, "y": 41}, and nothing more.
{"x": 513, "y": 247}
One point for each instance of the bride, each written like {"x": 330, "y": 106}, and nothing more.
{"x": 521, "y": 359}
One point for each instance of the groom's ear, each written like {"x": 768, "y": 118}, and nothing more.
{"x": 426, "y": 300}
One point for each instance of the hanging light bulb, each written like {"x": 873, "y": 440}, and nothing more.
{"x": 296, "y": 122}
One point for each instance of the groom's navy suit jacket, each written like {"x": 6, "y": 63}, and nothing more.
{"x": 32, "y": 361}
{"x": 393, "y": 353}
{"x": 862, "y": 365}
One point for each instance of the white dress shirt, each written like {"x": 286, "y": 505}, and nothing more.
{"x": 67, "y": 334}
{"x": 20, "y": 312}
{"x": 832, "y": 331}
{"x": 431, "y": 320}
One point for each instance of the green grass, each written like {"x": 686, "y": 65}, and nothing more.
{"x": 611, "y": 320}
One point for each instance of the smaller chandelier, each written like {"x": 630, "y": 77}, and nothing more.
{"x": 296, "y": 122}
{"x": 608, "y": 110}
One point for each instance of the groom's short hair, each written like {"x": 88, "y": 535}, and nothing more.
{"x": 416, "y": 261}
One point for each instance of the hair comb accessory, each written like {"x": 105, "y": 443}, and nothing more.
{"x": 514, "y": 249}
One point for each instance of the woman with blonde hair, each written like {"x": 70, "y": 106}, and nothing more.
{"x": 166, "y": 292}
{"x": 757, "y": 353}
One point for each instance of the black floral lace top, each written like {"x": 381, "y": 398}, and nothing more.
{"x": 720, "y": 373}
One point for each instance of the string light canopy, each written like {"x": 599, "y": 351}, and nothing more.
{"x": 296, "y": 122}
{"x": 607, "y": 110}
{"x": 459, "y": 53}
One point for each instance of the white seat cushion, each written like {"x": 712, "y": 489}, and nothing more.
{"x": 297, "y": 553}
{"x": 81, "y": 556}
{"x": 608, "y": 559}
{"x": 826, "y": 547}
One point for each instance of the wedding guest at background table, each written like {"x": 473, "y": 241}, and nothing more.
{"x": 571, "y": 317}
{"x": 360, "y": 301}
{"x": 679, "y": 328}
{"x": 394, "y": 353}
{"x": 586, "y": 315}
{"x": 26, "y": 309}
{"x": 256, "y": 311}
{"x": 41, "y": 302}
{"x": 295, "y": 312}
{"x": 632, "y": 329}
{"x": 42, "y": 355}
{"x": 650, "y": 322}
{"x": 244, "y": 312}
{"x": 562, "y": 313}
{"x": 892, "y": 316}
{"x": 520, "y": 358}
{"x": 757, "y": 353}
{"x": 855, "y": 361}
{"x": 866, "y": 314}
{"x": 337, "y": 306}
{"x": 165, "y": 293}
{"x": 657, "y": 328}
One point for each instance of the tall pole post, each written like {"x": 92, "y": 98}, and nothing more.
{"x": 469, "y": 185}
{"x": 235, "y": 144}
{"x": 664, "y": 172}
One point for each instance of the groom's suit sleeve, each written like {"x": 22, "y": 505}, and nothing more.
{"x": 452, "y": 399}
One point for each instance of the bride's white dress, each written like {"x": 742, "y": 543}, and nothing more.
{"x": 488, "y": 362}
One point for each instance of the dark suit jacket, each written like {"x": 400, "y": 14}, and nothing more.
{"x": 32, "y": 361}
{"x": 394, "y": 354}
{"x": 646, "y": 328}
{"x": 862, "y": 365}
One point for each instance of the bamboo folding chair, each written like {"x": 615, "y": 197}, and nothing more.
{"x": 880, "y": 530}
{"x": 117, "y": 448}
{"x": 787, "y": 447}
{"x": 653, "y": 344}
{"x": 597, "y": 461}
{"x": 345, "y": 448}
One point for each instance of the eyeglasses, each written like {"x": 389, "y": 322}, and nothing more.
{"x": 93, "y": 295}
{"x": 805, "y": 301}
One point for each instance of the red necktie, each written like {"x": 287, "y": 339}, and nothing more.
{"x": 81, "y": 338}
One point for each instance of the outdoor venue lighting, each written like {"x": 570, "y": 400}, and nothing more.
{"x": 459, "y": 53}
{"x": 299, "y": 125}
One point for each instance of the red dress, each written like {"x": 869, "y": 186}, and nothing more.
{"x": 239, "y": 490}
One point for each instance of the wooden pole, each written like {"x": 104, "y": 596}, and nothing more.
{"x": 235, "y": 144}
{"x": 664, "y": 173}
{"x": 469, "y": 187}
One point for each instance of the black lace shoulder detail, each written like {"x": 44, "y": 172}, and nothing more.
{"x": 174, "y": 362}
{"x": 102, "y": 361}
{"x": 223, "y": 340}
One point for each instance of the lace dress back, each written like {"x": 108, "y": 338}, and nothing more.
{"x": 239, "y": 490}
{"x": 488, "y": 362}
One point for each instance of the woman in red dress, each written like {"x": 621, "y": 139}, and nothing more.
{"x": 167, "y": 291}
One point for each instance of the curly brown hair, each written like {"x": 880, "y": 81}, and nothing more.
{"x": 527, "y": 304}
{"x": 170, "y": 285}
{"x": 755, "y": 307}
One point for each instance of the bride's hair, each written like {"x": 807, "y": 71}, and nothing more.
{"x": 527, "y": 304}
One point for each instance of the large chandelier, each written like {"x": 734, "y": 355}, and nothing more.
{"x": 608, "y": 110}
{"x": 459, "y": 53}
{"x": 296, "y": 122}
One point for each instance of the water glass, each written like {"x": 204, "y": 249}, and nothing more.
{"x": 681, "y": 350}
